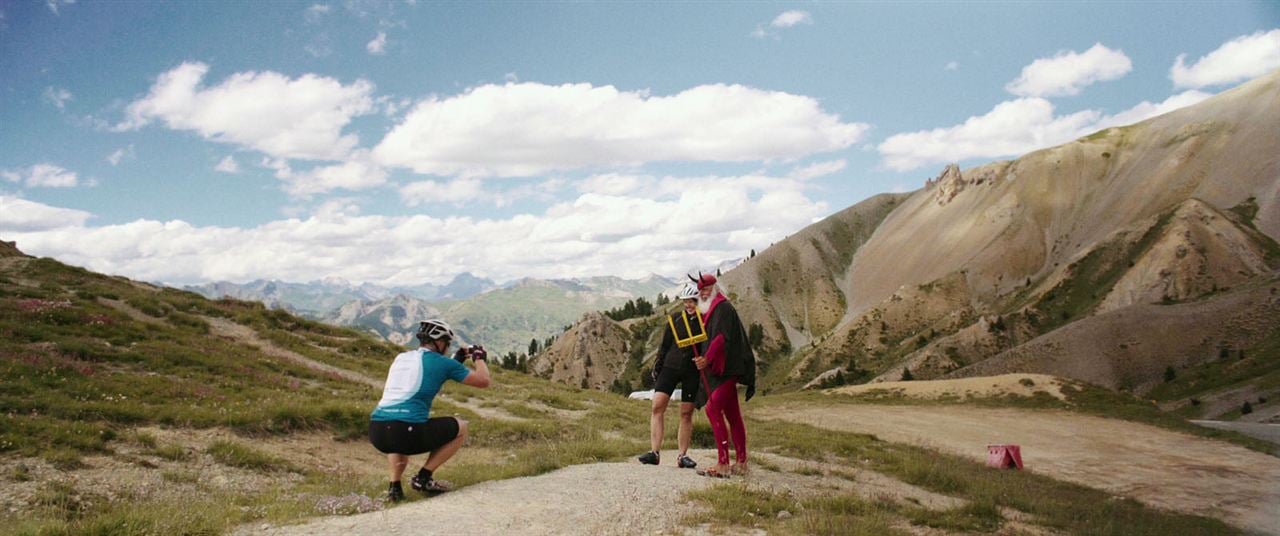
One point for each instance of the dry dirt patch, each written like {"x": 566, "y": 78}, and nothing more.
{"x": 1024, "y": 385}
{"x": 1158, "y": 467}
{"x": 246, "y": 335}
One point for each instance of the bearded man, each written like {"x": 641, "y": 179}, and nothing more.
{"x": 726, "y": 360}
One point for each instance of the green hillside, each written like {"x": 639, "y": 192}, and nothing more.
{"x": 131, "y": 409}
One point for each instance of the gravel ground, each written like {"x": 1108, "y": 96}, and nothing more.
{"x": 601, "y": 498}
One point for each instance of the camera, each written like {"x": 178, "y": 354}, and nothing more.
{"x": 475, "y": 352}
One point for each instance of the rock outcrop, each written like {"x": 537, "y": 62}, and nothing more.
{"x": 591, "y": 354}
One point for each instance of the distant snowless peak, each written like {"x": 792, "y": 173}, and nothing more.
{"x": 336, "y": 281}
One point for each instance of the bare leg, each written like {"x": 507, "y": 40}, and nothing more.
{"x": 685, "y": 435}
{"x": 655, "y": 420}
{"x": 442, "y": 454}
{"x": 397, "y": 463}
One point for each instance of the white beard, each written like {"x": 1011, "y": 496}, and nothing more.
{"x": 705, "y": 305}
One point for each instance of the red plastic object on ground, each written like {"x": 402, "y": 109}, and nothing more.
{"x": 1004, "y": 456}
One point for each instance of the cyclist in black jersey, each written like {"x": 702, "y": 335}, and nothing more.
{"x": 674, "y": 365}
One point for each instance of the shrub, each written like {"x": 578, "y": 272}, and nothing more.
{"x": 906, "y": 374}
{"x": 1246, "y": 409}
{"x": 246, "y": 457}
{"x": 1169, "y": 374}
{"x": 171, "y": 452}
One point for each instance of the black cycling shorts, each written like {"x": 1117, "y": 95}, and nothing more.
{"x": 687, "y": 378}
{"x": 399, "y": 437}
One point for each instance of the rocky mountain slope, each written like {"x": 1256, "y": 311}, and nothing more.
{"x": 592, "y": 354}
{"x": 1177, "y": 215}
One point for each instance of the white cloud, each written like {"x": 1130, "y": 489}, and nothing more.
{"x": 610, "y": 184}
{"x": 510, "y": 78}
{"x": 120, "y": 155}
{"x": 680, "y": 221}
{"x": 378, "y": 46}
{"x": 315, "y": 12}
{"x": 1068, "y": 72}
{"x": 43, "y": 176}
{"x": 55, "y": 5}
{"x": 951, "y": 66}
{"x": 759, "y": 32}
{"x": 1239, "y": 59}
{"x": 20, "y": 215}
{"x": 1014, "y": 128}
{"x": 358, "y": 173}
{"x": 456, "y": 191}
{"x": 819, "y": 169}
{"x": 228, "y": 164}
{"x": 787, "y": 19}
{"x": 57, "y": 97}
{"x": 1146, "y": 109}
{"x": 266, "y": 111}
{"x": 530, "y": 129}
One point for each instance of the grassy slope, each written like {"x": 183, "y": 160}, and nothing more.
{"x": 81, "y": 375}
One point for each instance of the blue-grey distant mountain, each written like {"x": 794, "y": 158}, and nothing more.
{"x": 323, "y": 297}
{"x": 312, "y": 299}
{"x": 463, "y": 286}
{"x": 503, "y": 318}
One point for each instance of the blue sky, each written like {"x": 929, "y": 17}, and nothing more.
{"x": 404, "y": 142}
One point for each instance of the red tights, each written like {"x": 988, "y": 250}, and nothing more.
{"x": 721, "y": 405}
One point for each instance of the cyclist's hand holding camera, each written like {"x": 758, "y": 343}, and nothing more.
{"x": 478, "y": 353}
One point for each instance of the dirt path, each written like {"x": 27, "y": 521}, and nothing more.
{"x": 1159, "y": 467}
{"x": 602, "y": 498}
{"x": 244, "y": 334}
{"x": 605, "y": 498}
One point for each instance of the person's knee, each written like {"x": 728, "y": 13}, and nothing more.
{"x": 659, "y": 407}
{"x": 462, "y": 429}
{"x": 686, "y": 411}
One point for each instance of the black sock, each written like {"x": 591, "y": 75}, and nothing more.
{"x": 424, "y": 474}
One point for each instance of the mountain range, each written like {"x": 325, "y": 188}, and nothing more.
{"x": 1139, "y": 258}
{"x": 505, "y": 318}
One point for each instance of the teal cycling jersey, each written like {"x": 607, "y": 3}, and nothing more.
{"x": 413, "y": 382}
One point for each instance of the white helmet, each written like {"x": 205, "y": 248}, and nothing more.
{"x": 434, "y": 329}
{"x": 688, "y": 292}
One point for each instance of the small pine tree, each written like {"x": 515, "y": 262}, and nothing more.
{"x": 1169, "y": 374}
{"x": 533, "y": 346}
{"x": 753, "y": 253}
{"x": 755, "y": 335}
{"x": 717, "y": 272}
{"x": 1246, "y": 409}
{"x": 1224, "y": 353}
{"x": 906, "y": 374}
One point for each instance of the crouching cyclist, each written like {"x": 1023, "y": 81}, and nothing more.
{"x": 402, "y": 426}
